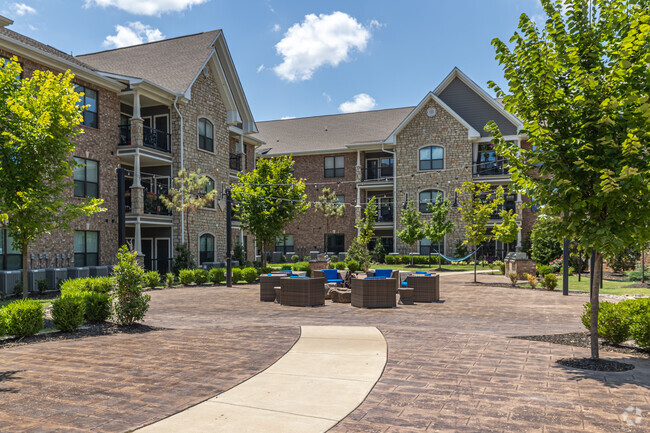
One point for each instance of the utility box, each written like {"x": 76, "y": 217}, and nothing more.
{"x": 8, "y": 281}
{"x": 98, "y": 271}
{"x": 74, "y": 273}
{"x": 55, "y": 276}
{"x": 35, "y": 275}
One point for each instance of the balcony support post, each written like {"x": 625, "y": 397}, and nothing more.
{"x": 358, "y": 179}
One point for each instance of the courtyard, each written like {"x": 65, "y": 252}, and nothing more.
{"x": 451, "y": 366}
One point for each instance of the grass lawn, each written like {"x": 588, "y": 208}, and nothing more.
{"x": 610, "y": 287}
{"x": 45, "y": 302}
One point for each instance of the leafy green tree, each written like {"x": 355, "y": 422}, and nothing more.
{"x": 130, "y": 304}
{"x": 366, "y": 229}
{"x": 478, "y": 201}
{"x": 189, "y": 193}
{"x": 545, "y": 242}
{"x": 580, "y": 84}
{"x": 328, "y": 205}
{"x": 412, "y": 231}
{"x": 508, "y": 229}
{"x": 438, "y": 226}
{"x": 268, "y": 198}
{"x": 39, "y": 117}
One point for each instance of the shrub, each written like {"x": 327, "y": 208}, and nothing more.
{"x": 131, "y": 305}
{"x": 513, "y": 278}
{"x": 635, "y": 275}
{"x": 152, "y": 279}
{"x": 532, "y": 280}
{"x": 97, "y": 306}
{"x": 556, "y": 265}
{"x": 239, "y": 254}
{"x": 267, "y": 269}
{"x": 549, "y": 281}
{"x": 169, "y": 279}
{"x": 339, "y": 266}
{"x": 378, "y": 253}
{"x": 285, "y": 267}
{"x": 249, "y": 275}
{"x": 357, "y": 252}
{"x": 236, "y": 275}
{"x": 42, "y": 286}
{"x": 201, "y": 276}
{"x": 283, "y": 259}
{"x": 502, "y": 268}
{"x": 186, "y": 276}
{"x": 22, "y": 318}
{"x": 334, "y": 259}
{"x": 624, "y": 261}
{"x": 295, "y": 258}
{"x": 613, "y": 321}
{"x": 97, "y": 285}
{"x": 390, "y": 260}
{"x": 183, "y": 257}
{"x": 640, "y": 329}
{"x": 545, "y": 244}
{"x": 68, "y": 312}
{"x": 543, "y": 270}
{"x": 571, "y": 270}
{"x": 302, "y": 266}
{"x": 18, "y": 289}
{"x": 353, "y": 266}
{"x": 217, "y": 275}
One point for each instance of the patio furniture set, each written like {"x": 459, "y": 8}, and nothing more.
{"x": 377, "y": 290}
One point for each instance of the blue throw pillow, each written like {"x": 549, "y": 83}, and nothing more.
{"x": 404, "y": 283}
{"x": 428, "y": 274}
{"x": 385, "y": 273}
{"x": 269, "y": 274}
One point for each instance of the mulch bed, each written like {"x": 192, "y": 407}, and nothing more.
{"x": 581, "y": 339}
{"x": 595, "y": 364}
{"x": 93, "y": 330}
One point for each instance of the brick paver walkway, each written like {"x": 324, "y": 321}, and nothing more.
{"x": 450, "y": 365}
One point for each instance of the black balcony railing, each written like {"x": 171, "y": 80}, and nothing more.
{"x": 151, "y": 138}
{"x": 378, "y": 173}
{"x": 235, "y": 162}
{"x": 154, "y": 206}
{"x": 125, "y": 135}
{"x": 490, "y": 168}
{"x": 384, "y": 213}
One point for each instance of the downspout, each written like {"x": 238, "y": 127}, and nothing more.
{"x": 181, "y": 132}
{"x": 394, "y": 195}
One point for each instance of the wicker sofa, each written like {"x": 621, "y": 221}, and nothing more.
{"x": 267, "y": 283}
{"x": 302, "y": 292}
{"x": 374, "y": 293}
{"x": 425, "y": 288}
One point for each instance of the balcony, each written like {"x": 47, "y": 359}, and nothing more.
{"x": 235, "y": 162}
{"x": 152, "y": 205}
{"x": 491, "y": 168}
{"x": 509, "y": 204}
{"x": 151, "y": 138}
{"x": 384, "y": 213}
{"x": 377, "y": 174}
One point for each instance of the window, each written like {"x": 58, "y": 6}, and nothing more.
{"x": 334, "y": 166}
{"x": 86, "y": 248}
{"x": 284, "y": 244}
{"x": 340, "y": 199}
{"x": 488, "y": 163}
{"x": 429, "y": 196}
{"x": 89, "y": 98}
{"x": 335, "y": 243}
{"x": 426, "y": 248}
{"x": 432, "y": 158}
{"x": 206, "y": 135}
{"x": 206, "y": 189}
{"x": 10, "y": 258}
{"x": 206, "y": 248}
{"x": 86, "y": 178}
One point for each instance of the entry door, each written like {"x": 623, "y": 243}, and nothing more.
{"x": 160, "y": 124}
{"x": 147, "y": 250}
{"x": 162, "y": 255}
{"x": 372, "y": 169}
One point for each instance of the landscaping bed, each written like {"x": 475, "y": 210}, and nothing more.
{"x": 581, "y": 339}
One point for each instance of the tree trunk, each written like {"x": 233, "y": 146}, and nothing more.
{"x": 643, "y": 265}
{"x": 25, "y": 272}
{"x": 189, "y": 243}
{"x": 595, "y": 287}
{"x": 439, "y": 258}
{"x": 474, "y": 263}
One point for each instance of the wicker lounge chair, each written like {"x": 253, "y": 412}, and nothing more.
{"x": 302, "y": 292}
{"x": 426, "y": 288}
{"x": 332, "y": 276}
{"x": 374, "y": 292}
{"x": 267, "y": 283}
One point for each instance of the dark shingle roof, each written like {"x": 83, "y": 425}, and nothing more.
{"x": 329, "y": 132}
{"x": 43, "y": 47}
{"x": 170, "y": 63}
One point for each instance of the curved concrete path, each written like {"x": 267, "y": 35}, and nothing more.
{"x": 325, "y": 376}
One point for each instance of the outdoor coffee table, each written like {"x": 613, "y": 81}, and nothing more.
{"x": 405, "y": 295}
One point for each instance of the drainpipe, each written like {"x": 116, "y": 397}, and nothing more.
{"x": 394, "y": 195}
{"x": 181, "y": 132}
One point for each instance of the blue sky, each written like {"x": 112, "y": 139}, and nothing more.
{"x": 301, "y": 58}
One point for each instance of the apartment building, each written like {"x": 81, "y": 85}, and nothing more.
{"x": 417, "y": 153}
{"x": 155, "y": 109}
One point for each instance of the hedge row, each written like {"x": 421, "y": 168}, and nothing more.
{"x": 629, "y": 319}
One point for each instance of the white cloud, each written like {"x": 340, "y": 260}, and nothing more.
{"x": 360, "y": 102}
{"x": 287, "y": 117}
{"x": 147, "y": 7}
{"x": 260, "y": 68}
{"x": 276, "y": 27}
{"x": 133, "y": 34}
{"x": 32, "y": 28}
{"x": 22, "y": 9}
{"x": 327, "y": 96}
{"x": 317, "y": 41}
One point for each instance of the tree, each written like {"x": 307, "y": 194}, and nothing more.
{"x": 39, "y": 117}
{"x": 366, "y": 228}
{"x": 545, "y": 243}
{"x": 328, "y": 204}
{"x": 508, "y": 229}
{"x": 580, "y": 84}
{"x": 188, "y": 194}
{"x": 438, "y": 226}
{"x": 410, "y": 219}
{"x": 268, "y": 198}
{"x": 477, "y": 204}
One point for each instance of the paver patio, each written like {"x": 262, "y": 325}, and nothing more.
{"x": 450, "y": 365}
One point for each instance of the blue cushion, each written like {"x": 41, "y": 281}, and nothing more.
{"x": 295, "y": 276}
{"x": 421, "y": 272}
{"x": 375, "y": 278}
{"x": 335, "y": 280}
{"x": 383, "y": 273}
{"x": 269, "y": 274}
{"x": 286, "y": 272}
{"x": 404, "y": 283}
{"x": 428, "y": 274}
{"x": 330, "y": 274}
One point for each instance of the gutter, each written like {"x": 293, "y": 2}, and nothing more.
{"x": 181, "y": 131}
{"x": 383, "y": 149}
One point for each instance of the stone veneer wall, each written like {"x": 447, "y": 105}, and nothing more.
{"x": 98, "y": 144}
{"x": 205, "y": 102}
{"x": 441, "y": 130}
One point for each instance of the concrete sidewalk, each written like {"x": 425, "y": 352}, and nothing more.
{"x": 325, "y": 376}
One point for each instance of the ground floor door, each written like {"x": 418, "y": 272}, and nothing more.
{"x": 163, "y": 264}
{"x": 156, "y": 251}
{"x": 147, "y": 250}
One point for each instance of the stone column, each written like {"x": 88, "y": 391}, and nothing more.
{"x": 137, "y": 191}
{"x": 358, "y": 178}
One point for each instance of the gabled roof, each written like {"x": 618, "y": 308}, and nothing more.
{"x": 330, "y": 132}
{"x": 171, "y": 63}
